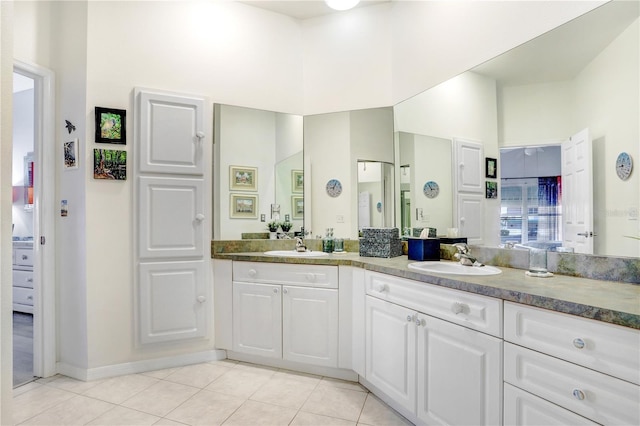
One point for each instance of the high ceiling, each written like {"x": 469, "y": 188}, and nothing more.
{"x": 303, "y": 9}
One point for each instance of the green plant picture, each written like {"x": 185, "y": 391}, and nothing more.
{"x": 109, "y": 164}
{"x": 111, "y": 125}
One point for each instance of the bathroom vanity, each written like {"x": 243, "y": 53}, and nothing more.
{"x": 509, "y": 349}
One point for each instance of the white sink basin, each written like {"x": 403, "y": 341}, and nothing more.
{"x": 293, "y": 253}
{"x": 453, "y": 268}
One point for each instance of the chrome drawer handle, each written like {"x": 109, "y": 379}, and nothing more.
{"x": 579, "y": 343}
{"x": 578, "y": 394}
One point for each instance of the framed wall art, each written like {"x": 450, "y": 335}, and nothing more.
{"x": 491, "y": 189}
{"x": 109, "y": 164}
{"x": 491, "y": 167}
{"x": 297, "y": 207}
{"x": 297, "y": 181}
{"x": 243, "y": 206}
{"x": 243, "y": 178}
{"x": 111, "y": 126}
{"x": 70, "y": 154}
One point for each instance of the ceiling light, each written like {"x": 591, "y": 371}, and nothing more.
{"x": 341, "y": 4}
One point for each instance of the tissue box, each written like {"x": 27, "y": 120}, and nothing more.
{"x": 431, "y": 232}
{"x": 423, "y": 249}
{"x": 380, "y": 247}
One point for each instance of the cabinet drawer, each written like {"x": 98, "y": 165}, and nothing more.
{"x": 467, "y": 309}
{"x": 601, "y": 398}
{"x": 604, "y": 347}
{"x": 23, "y": 257}
{"x": 23, "y": 296}
{"x": 22, "y": 278}
{"x": 323, "y": 276}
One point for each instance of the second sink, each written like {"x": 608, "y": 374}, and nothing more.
{"x": 453, "y": 268}
{"x": 293, "y": 253}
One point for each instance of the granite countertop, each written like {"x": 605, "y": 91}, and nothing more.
{"x": 607, "y": 301}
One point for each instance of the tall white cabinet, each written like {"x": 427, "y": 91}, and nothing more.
{"x": 171, "y": 223}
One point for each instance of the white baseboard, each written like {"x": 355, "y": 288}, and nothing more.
{"x": 138, "y": 366}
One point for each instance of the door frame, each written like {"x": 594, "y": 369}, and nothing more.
{"x": 44, "y": 320}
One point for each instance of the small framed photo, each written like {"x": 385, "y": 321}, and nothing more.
{"x": 111, "y": 126}
{"x": 70, "y": 154}
{"x": 491, "y": 167}
{"x": 243, "y": 178}
{"x": 109, "y": 164}
{"x": 243, "y": 206}
{"x": 297, "y": 207}
{"x": 491, "y": 189}
{"x": 297, "y": 181}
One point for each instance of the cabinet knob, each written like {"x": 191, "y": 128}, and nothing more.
{"x": 420, "y": 322}
{"x": 25, "y": 257}
{"x": 579, "y": 343}
{"x": 201, "y": 299}
{"x": 285, "y": 291}
{"x": 409, "y": 318}
{"x": 381, "y": 288}
{"x": 199, "y": 217}
{"x": 275, "y": 290}
{"x": 29, "y": 297}
{"x": 200, "y": 134}
{"x": 578, "y": 394}
{"x": 459, "y": 308}
{"x": 253, "y": 273}
{"x": 311, "y": 277}
{"x": 29, "y": 280}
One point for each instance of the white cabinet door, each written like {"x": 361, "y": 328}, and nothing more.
{"x": 310, "y": 325}
{"x": 391, "y": 351}
{"x": 458, "y": 367}
{"x": 172, "y": 301}
{"x": 257, "y": 319}
{"x": 524, "y": 409}
{"x": 468, "y": 158}
{"x": 171, "y": 133}
{"x": 471, "y": 217}
{"x": 171, "y": 217}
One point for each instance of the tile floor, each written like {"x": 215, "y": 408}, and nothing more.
{"x": 22, "y": 348}
{"x": 220, "y": 392}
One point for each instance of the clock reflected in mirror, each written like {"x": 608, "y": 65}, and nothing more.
{"x": 624, "y": 165}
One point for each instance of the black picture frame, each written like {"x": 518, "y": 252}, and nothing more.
{"x": 111, "y": 125}
{"x": 491, "y": 189}
{"x": 491, "y": 167}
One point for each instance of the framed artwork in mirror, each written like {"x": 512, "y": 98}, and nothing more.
{"x": 109, "y": 164}
{"x": 297, "y": 181}
{"x": 491, "y": 189}
{"x": 243, "y": 178}
{"x": 491, "y": 167}
{"x": 111, "y": 125}
{"x": 297, "y": 207}
{"x": 243, "y": 206}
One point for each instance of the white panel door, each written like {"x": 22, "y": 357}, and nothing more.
{"x": 171, "y": 217}
{"x": 577, "y": 193}
{"x": 172, "y": 301}
{"x": 310, "y": 325}
{"x": 391, "y": 351}
{"x": 171, "y": 133}
{"x": 257, "y": 319}
{"x": 458, "y": 367}
{"x": 468, "y": 158}
{"x": 471, "y": 217}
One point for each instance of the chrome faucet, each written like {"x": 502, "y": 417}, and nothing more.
{"x": 464, "y": 255}
{"x": 300, "y": 247}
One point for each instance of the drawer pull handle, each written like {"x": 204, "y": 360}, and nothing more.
{"x": 311, "y": 278}
{"x": 201, "y": 299}
{"x": 29, "y": 297}
{"x": 578, "y": 394}
{"x": 459, "y": 308}
{"x": 25, "y": 257}
{"x": 253, "y": 273}
{"x": 285, "y": 291}
{"x": 420, "y": 322}
{"x": 579, "y": 343}
{"x": 29, "y": 280}
{"x": 275, "y": 290}
{"x": 409, "y": 318}
{"x": 381, "y": 288}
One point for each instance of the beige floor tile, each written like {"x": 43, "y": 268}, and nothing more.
{"x": 377, "y": 413}
{"x": 123, "y": 416}
{"x": 240, "y": 382}
{"x": 335, "y": 402}
{"x": 118, "y": 389}
{"x": 160, "y": 374}
{"x": 343, "y": 384}
{"x": 255, "y": 368}
{"x": 225, "y": 362}
{"x": 25, "y": 388}
{"x": 36, "y": 401}
{"x": 285, "y": 390}
{"x": 72, "y": 385}
{"x": 257, "y": 413}
{"x": 206, "y": 408}
{"x": 167, "y": 422}
{"x": 161, "y": 398}
{"x": 78, "y": 410}
{"x": 309, "y": 419}
{"x": 296, "y": 376}
{"x": 198, "y": 375}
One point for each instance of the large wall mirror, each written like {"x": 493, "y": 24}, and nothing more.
{"x": 259, "y": 171}
{"x": 584, "y": 74}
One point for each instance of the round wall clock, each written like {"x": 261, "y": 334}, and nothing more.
{"x": 431, "y": 189}
{"x": 624, "y": 165}
{"x": 334, "y": 188}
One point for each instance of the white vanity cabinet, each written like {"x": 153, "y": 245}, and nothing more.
{"x": 585, "y": 368}
{"x": 428, "y": 366}
{"x": 23, "y": 293}
{"x": 286, "y": 311}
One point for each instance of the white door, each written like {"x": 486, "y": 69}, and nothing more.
{"x": 471, "y": 217}
{"x": 171, "y": 217}
{"x": 171, "y": 134}
{"x": 391, "y": 351}
{"x": 172, "y": 297}
{"x": 468, "y": 163}
{"x": 310, "y": 325}
{"x": 459, "y": 375}
{"x": 257, "y": 319}
{"x": 577, "y": 193}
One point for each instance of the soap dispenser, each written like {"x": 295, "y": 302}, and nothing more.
{"x": 327, "y": 241}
